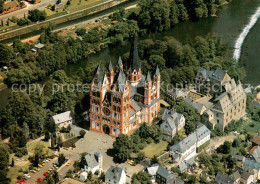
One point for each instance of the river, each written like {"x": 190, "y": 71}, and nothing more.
{"x": 229, "y": 24}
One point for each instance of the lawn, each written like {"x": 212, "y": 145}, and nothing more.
{"x": 250, "y": 126}
{"x": 81, "y": 4}
{"x": 32, "y": 145}
{"x": 16, "y": 171}
{"x": 155, "y": 149}
{"x": 75, "y": 5}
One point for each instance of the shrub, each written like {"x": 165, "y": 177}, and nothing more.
{"x": 82, "y": 133}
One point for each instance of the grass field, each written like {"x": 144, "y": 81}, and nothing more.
{"x": 155, "y": 149}
{"x": 75, "y": 5}
{"x": 250, "y": 126}
{"x": 15, "y": 171}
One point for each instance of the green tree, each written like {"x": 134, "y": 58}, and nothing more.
{"x": 6, "y": 53}
{"x": 140, "y": 156}
{"x": 36, "y": 15}
{"x": 61, "y": 159}
{"x": 1, "y": 6}
{"x": 82, "y": 133}
{"x": 122, "y": 148}
{"x": 141, "y": 178}
{"x": 154, "y": 15}
{"x": 90, "y": 175}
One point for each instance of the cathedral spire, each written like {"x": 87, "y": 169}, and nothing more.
{"x": 148, "y": 77}
{"x": 120, "y": 63}
{"x": 110, "y": 67}
{"x": 157, "y": 72}
{"x": 134, "y": 56}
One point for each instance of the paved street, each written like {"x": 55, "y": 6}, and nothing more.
{"x": 20, "y": 13}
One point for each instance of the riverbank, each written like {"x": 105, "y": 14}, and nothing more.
{"x": 63, "y": 19}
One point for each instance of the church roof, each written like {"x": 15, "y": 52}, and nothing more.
{"x": 100, "y": 75}
{"x": 120, "y": 82}
{"x": 119, "y": 62}
{"x": 157, "y": 72}
{"x": 148, "y": 77}
{"x": 134, "y": 56}
{"x": 110, "y": 66}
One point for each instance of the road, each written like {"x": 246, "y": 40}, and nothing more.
{"x": 20, "y": 13}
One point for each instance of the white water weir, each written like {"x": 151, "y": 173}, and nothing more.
{"x": 240, "y": 40}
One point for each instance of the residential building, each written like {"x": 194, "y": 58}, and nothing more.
{"x": 83, "y": 176}
{"x": 164, "y": 176}
{"x": 186, "y": 164}
{"x": 115, "y": 175}
{"x": 119, "y": 102}
{"x": 63, "y": 119}
{"x": 186, "y": 148}
{"x": 227, "y": 100}
{"x": 224, "y": 179}
{"x": 93, "y": 162}
{"x": 256, "y": 154}
{"x": 172, "y": 123}
{"x": 152, "y": 170}
{"x": 174, "y": 93}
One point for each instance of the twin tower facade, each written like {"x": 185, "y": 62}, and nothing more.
{"x": 121, "y": 98}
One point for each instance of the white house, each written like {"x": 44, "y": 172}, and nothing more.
{"x": 83, "y": 176}
{"x": 152, "y": 171}
{"x": 93, "y": 162}
{"x": 63, "y": 120}
{"x": 172, "y": 123}
{"x": 186, "y": 148}
{"x": 115, "y": 175}
{"x": 203, "y": 135}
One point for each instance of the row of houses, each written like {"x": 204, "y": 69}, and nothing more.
{"x": 186, "y": 149}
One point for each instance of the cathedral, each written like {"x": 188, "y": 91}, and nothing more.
{"x": 122, "y": 98}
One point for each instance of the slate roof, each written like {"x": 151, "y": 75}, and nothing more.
{"x": 218, "y": 75}
{"x": 194, "y": 104}
{"x": 202, "y": 132}
{"x": 157, "y": 71}
{"x": 148, "y": 77}
{"x": 191, "y": 140}
{"x": 63, "y": 117}
{"x": 175, "y": 93}
{"x": 251, "y": 164}
{"x": 92, "y": 159}
{"x": 172, "y": 118}
{"x": 256, "y": 154}
{"x": 186, "y": 164}
{"x": 110, "y": 67}
{"x": 153, "y": 169}
{"x": 135, "y": 105}
{"x": 115, "y": 173}
{"x": 223, "y": 179}
{"x": 205, "y": 73}
{"x": 100, "y": 75}
{"x": 119, "y": 62}
{"x": 134, "y": 56}
{"x": 120, "y": 82}
{"x": 236, "y": 175}
{"x": 185, "y": 144}
{"x": 165, "y": 173}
